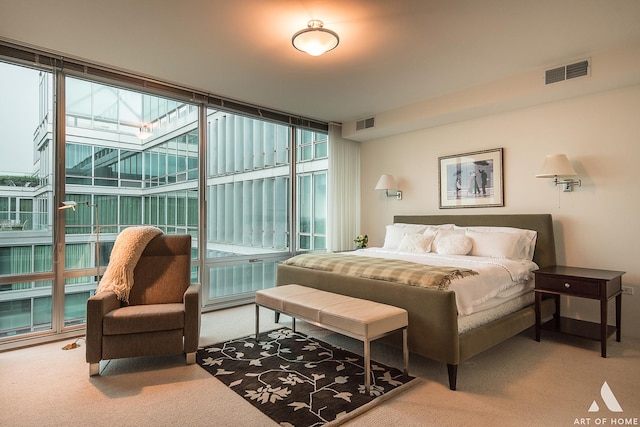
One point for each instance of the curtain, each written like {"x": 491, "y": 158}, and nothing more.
{"x": 343, "y": 217}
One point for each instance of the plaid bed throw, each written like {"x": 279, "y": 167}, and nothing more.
{"x": 392, "y": 270}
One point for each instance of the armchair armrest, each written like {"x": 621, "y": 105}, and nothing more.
{"x": 191, "y": 302}
{"x": 97, "y": 306}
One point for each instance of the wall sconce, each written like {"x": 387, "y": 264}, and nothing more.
{"x": 388, "y": 182}
{"x": 557, "y": 165}
{"x": 72, "y": 205}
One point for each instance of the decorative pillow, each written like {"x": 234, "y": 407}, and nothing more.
{"x": 395, "y": 232}
{"x": 495, "y": 244}
{"x": 431, "y": 232}
{"x": 415, "y": 243}
{"x": 450, "y": 242}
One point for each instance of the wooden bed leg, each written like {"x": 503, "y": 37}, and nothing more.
{"x": 277, "y": 318}
{"x": 453, "y": 374}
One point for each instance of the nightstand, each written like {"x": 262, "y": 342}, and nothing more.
{"x": 602, "y": 285}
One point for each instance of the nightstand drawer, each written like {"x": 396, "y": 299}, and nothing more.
{"x": 568, "y": 286}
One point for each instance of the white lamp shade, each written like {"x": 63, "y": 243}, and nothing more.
{"x": 386, "y": 182}
{"x": 556, "y": 165}
{"x": 315, "y": 40}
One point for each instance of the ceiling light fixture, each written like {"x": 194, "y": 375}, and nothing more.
{"x": 315, "y": 39}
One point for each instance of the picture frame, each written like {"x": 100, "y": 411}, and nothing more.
{"x": 471, "y": 180}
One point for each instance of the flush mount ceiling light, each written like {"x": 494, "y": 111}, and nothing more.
{"x": 315, "y": 39}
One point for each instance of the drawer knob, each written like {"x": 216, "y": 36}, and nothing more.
{"x": 567, "y": 285}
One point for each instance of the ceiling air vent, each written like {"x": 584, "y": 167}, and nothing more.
{"x": 365, "y": 123}
{"x": 566, "y": 72}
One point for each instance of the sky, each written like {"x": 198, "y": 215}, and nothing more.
{"x": 19, "y": 105}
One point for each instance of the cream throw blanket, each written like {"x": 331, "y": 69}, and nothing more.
{"x": 126, "y": 252}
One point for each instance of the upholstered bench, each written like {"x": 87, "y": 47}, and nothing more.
{"x": 356, "y": 318}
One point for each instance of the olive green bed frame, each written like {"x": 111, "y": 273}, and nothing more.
{"x": 433, "y": 319}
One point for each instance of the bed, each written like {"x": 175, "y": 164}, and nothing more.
{"x": 435, "y": 328}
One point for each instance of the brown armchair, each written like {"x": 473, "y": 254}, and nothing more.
{"x": 163, "y": 313}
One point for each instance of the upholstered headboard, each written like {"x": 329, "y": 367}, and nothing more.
{"x": 545, "y": 253}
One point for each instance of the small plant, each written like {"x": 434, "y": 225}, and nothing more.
{"x": 361, "y": 241}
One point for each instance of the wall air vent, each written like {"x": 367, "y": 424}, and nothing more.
{"x": 567, "y": 72}
{"x": 365, "y": 123}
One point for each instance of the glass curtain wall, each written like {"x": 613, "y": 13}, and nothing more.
{"x": 249, "y": 169}
{"x": 248, "y": 180}
{"x": 130, "y": 159}
{"x": 135, "y": 158}
{"x": 311, "y": 167}
{"x": 25, "y": 200}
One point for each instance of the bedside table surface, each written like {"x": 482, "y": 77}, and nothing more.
{"x": 586, "y": 273}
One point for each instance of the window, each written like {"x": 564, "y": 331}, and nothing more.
{"x": 119, "y": 179}
{"x": 312, "y": 190}
{"x": 248, "y": 210}
{"x": 25, "y": 197}
{"x": 106, "y": 174}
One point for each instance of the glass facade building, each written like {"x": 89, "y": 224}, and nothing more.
{"x": 250, "y": 191}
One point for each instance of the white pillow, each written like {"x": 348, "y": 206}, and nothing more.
{"x": 416, "y": 243}
{"x": 450, "y": 242}
{"x": 431, "y": 232}
{"x": 526, "y": 242}
{"x": 395, "y": 232}
{"x": 440, "y": 226}
{"x": 419, "y": 227}
{"x": 495, "y": 244}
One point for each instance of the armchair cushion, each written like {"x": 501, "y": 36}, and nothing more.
{"x": 143, "y": 318}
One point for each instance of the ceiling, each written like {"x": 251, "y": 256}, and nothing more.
{"x": 392, "y": 53}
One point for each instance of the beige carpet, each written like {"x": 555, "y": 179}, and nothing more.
{"x": 518, "y": 383}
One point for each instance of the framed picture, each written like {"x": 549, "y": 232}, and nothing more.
{"x": 471, "y": 180}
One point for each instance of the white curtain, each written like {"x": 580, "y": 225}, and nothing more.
{"x": 343, "y": 221}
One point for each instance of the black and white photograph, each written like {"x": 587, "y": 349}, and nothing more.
{"x": 471, "y": 180}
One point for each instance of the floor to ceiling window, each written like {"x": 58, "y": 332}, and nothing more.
{"x": 25, "y": 201}
{"x": 248, "y": 227}
{"x": 311, "y": 166}
{"x": 130, "y": 159}
{"x": 120, "y": 157}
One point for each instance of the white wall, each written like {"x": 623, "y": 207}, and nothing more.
{"x": 596, "y": 226}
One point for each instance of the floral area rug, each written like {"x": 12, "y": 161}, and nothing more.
{"x": 300, "y": 381}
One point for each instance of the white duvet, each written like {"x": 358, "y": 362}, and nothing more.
{"x": 498, "y": 280}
